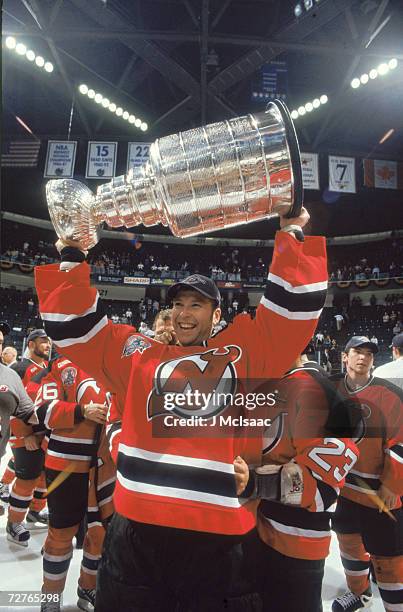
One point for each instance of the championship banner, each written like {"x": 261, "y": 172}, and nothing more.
{"x": 383, "y": 174}
{"x": 310, "y": 170}
{"x": 342, "y": 174}
{"x": 101, "y": 160}
{"x": 272, "y": 82}
{"x": 137, "y": 154}
{"x": 60, "y": 159}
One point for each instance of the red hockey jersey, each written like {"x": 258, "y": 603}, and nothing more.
{"x": 298, "y": 433}
{"x": 170, "y": 474}
{"x": 380, "y": 441}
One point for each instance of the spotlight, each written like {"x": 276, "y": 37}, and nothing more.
{"x": 137, "y": 122}
{"x": 91, "y": 94}
{"x": 294, "y": 114}
{"x": 48, "y": 66}
{"x": 308, "y": 4}
{"x": 298, "y": 10}
{"x": 373, "y": 73}
{"x": 98, "y": 98}
{"x": 323, "y": 99}
{"x": 39, "y": 61}
{"x": 125, "y": 115}
{"x": 112, "y": 107}
{"x": 144, "y": 127}
{"x": 119, "y": 111}
{"x": 383, "y": 69}
{"x": 309, "y": 107}
{"x": 316, "y": 103}
{"x": 364, "y": 78}
{"x": 30, "y": 55}
{"x": 301, "y": 110}
{"x": 21, "y": 49}
{"x": 392, "y": 63}
{"x": 105, "y": 102}
{"x": 355, "y": 83}
{"x": 83, "y": 89}
{"x": 11, "y": 42}
{"x": 132, "y": 119}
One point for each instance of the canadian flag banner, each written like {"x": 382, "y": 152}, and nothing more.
{"x": 383, "y": 174}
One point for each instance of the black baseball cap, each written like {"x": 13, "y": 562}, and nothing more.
{"x": 397, "y": 341}
{"x": 197, "y": 282}
{"x": 37, "y": 333}
{"x": 357, "y": 341}
{"x": 5, "y": 328}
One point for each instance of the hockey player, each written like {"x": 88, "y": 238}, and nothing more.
{"x": 306, "y": 456}
{"x": 71, "y": 406}
{"x": 174, "y": 540}
{"x": 29, "y": 486}
{"x": 368, "y": 519}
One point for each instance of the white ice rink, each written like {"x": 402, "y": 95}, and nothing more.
{"x": 21, "y": 570}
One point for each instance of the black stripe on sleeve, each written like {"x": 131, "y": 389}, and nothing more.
{"x": 327, "y": 493}
{"x": 77, "y": 327}
{"x": 295, "y": 302}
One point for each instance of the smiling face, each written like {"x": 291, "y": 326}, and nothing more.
{"x": 358, "y": 361}
{"x": 193, "y": 317}
{"x": 40, "y": 348}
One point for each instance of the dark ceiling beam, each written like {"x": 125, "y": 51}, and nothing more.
{"x": 337, "y": 97}
{"x": 127, "y": 70}
{"x": 224, "y": 5}
{"x": 191, "y": 12}
{"x": 54, "y": 12}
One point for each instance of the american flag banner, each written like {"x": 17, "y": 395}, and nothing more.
{"x": 20, "y": 153}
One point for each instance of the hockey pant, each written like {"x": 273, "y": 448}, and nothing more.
{"x": 365, "y": 536}
{"x": 9, "y": 473}
{"x": 159, "y": 569}
{"x": 29, "y": 486}
{"x": 68, "y": 504}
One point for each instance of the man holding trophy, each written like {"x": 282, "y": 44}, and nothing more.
{"x": 175, "y": 539}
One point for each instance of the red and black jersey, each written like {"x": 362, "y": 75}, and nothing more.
{"x": 304, "y": 430}
{"x": 380, "y": 441}
{"x": 27, "y": 368}
{"x": 166, "y": 477}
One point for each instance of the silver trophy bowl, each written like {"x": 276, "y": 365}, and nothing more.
{"x": 209, "y": 178}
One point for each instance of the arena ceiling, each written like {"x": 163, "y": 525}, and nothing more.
{"x": 181, "y": 63}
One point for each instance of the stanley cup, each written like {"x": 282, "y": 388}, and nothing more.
{"x": 209, "y": 178}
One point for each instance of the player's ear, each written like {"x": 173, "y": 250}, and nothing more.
{"x": 216, "y": 316}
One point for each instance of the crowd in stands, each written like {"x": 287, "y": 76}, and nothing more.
{"x": 382, "y": 259}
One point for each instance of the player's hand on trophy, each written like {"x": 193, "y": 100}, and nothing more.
{"x": 301, "y": 220}
{"x": 241, "y": 474}
{"x": 61, "y": 244}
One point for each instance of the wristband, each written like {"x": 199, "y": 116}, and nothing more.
{"x": 294, "y": 229}
{"x": 72, "y": 254}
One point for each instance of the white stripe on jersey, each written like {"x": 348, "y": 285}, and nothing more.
{"x": 83, "y": 339}
{"x": 310, "y": 288}
{"x": 63, "y": 318}
{"x": 288, "y": 314}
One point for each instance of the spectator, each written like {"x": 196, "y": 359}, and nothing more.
{"x": 374, "y": 339}
{"x": 339, "y": 321}
{"x": 385, "y": 318}
{"x": 9, "y": 356}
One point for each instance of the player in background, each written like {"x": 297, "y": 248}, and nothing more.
{"x": 393, "y": 371}
{"x": 175, "y": 497}
{"x": 307, "y": 453}
{"x": 368, "y": 519}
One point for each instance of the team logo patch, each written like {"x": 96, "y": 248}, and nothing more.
{"x": 3, "y": 388}
{"x": 135, "y": 343}
{"x": 68, "y": 376}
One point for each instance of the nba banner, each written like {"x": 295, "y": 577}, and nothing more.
{"x": 101, "y": 160}
{"x": 342, "y": 174}
{"x": 310, "y": 171}
{"x": 60, "y": 159}
{"x": 137, "y": 154}
{"x": 383, "y": 174}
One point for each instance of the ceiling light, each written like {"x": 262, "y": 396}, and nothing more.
{"x": 308, "y": 4}
{"x": 364, "y": 78}
{"x": 355, "y": 83}
{"x": 11, "y": 42}
{"x": 323, "y": 99}
{"x": 294, "y": 114}
{"x": 48, "y": 66}
{"x": 137, "y": 123}
{"x": 392, "y": 63}
{"x": 132, "y": 119}
{"x": 383, "y": 69}
{"x": 301, "y": 110}
{"x": 91, "y": 93}
{"x": 83, "y": 89}
{"x": 309, "y": 107}
{"x": 112, "y": 107}
{"x": 119, "y": 111}
{"x": 298, "y": 10}
{"x": 144, "y": 127}
{"x": 373, "y": 73}
{"x": 30, "y": 55}
{"x": 105, "y": 102}
{"x": 98, "y": 98}
{"x": 125, "y": 115}
{"x": 387, "y": 135}
{"x": 21, "y": 49}
{"x": 39, "y": 61}
{"x": 316, "y": 103}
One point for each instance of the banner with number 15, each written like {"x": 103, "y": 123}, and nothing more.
{"x": 101, "y": 160}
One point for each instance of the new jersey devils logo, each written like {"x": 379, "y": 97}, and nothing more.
{"x": 363, "y": 424}
{"x": 198, "y": 385}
